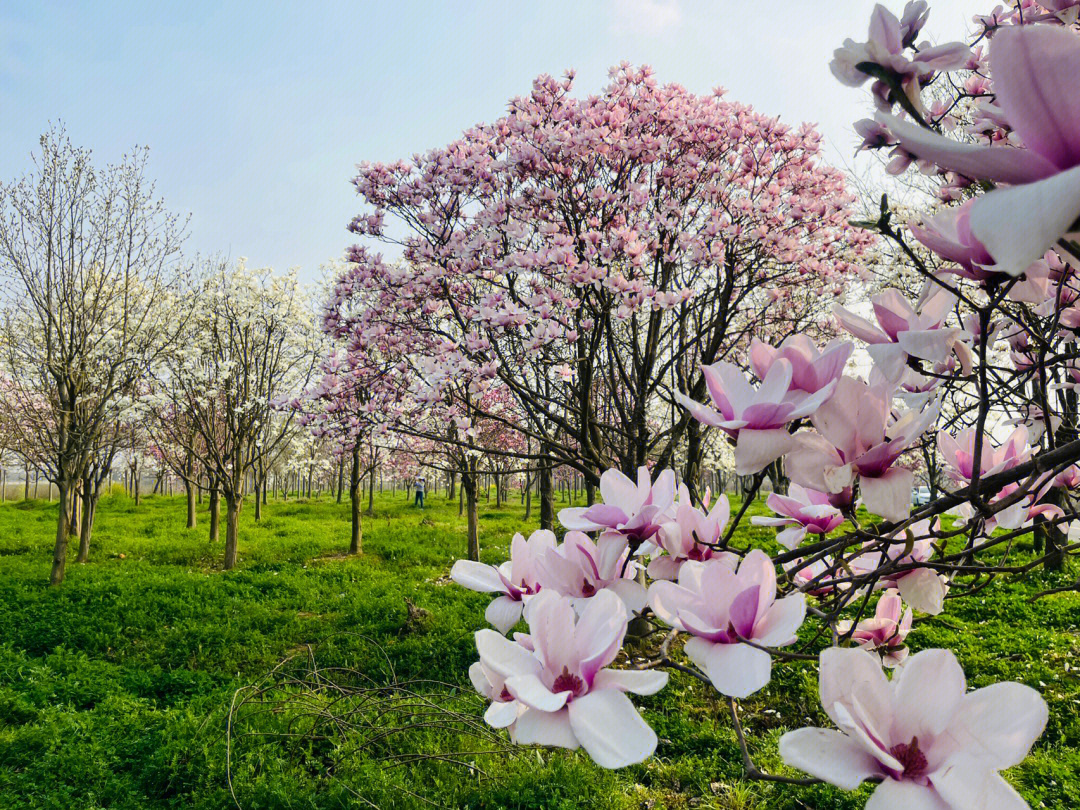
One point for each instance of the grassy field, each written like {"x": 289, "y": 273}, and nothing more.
{"x": 115, "y": 688}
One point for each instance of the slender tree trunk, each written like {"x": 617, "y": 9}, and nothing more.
{"x": 135, "y": 484}
{"x": 528, "y": 497}
{"x": 59, "y": 564}
{"x": 1049, "y": 537}
{"x": 469, "y": 483}
{"x": 86, "y": 524}
{"x": 547, "y": 494}
{"x": 215, "y": 513}
{"x": 232, "y": 526}
{"x": 453, "y": 486}
{"x": 189, "y": 491}
{"x": 340, "y": 478}
{"x": 371, "y": 490}
{"x": 258, "y": 499}
{"x": 26, "y": 483}
{"x": 357, "y": 536}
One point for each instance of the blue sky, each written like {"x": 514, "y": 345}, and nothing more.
{"x": 256, "y": 113}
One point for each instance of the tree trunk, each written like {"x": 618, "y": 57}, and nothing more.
{"x": 86, "y": 525}
{"x": 258, "y": 499}
{"x": 547, "y": 493}
{"x": 73, "y": 513}
{"x": 189, "y": 491}
{"x": 528, "y": 497}
{"x": 357, "y": 536}
{"x": 777, "y": 476}
{"x": 468, "y": 484}
{"x": 590, "y": 489}
{"x": 56, "y": 576}
{"x": 1049, "y": 537}
{"x": 135, "y": 484}
{"x": 453, "y": 486}
{"x": 371, "y": 490}
{"x": 232, "y": 526}
{"x": 215, "y": 513}
{"x": 340, "y": 478}
{"x": 26, "y": 483}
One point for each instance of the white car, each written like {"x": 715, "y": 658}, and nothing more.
{"x": 920, "y": 496}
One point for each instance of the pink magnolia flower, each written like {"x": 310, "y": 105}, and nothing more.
{"x": 933, "y": 744}
{"x": 902, "y": 331}
{"x": 687, "y": 537}
{"x": 888, "y": 38}
{"x": 1032, "y": 68}
{"x": 723, "y": 609}
{"x": 514, "y": 580}
{"x": 948, "y": 234}
{"x": 635, "y": 510}
{"x": 959, "y": 453}
{"x": 1021, "y": 513}
{"x": 811, "y": 370}
{"x": 558, "y": 693}
{"x": 858, "y": 436}
{"x": 580, "y": 569}
{"x": 802, "y": 510}
{"x": 1068, "y": 478}
{"x": 803, "y": 574}
{"x": 757, "y": 419}
{"x": 883, "y": 633}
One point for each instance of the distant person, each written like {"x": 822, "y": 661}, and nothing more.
{"x": 419, "y": 487}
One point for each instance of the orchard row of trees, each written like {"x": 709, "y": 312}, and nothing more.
{"x": 119, "y": 355}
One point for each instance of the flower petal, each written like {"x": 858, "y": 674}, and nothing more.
{"x": 1019, "y": 224}
{"x": 1002, "y": 164}
{"x": 1035, "y": 70}
{"x": 926, "y": 694}
{"x": 781, "y": 621}
{"x": 963, "y": 784}
{"x": 737, "y": 670}
{"x": 638, "y": 681}
{"x": 530, "y": 690}
{"x": 829, "y": 755}
{"x": 501, "y": 714}
{"x": 504, "y": 657}
{"x": 610, "y": 729}
{"x": 907, "y": 795}
{"x": 544, "y": 728}
{"x": 923, "y": 589}
{"x": 1002, "y": 721}
{"x": 888, "y": 495}
{"x": 503, "y": 613}
{"x": 843, "y": 673}
{"x": 476, "y": 576}
{"x": 756, "y": 449}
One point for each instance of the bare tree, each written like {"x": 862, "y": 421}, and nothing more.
{"x": 89, "y": 259}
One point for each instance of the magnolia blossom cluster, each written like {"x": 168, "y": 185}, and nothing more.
{"x": 965, "y": 377}
{"x": 534, "y": 303}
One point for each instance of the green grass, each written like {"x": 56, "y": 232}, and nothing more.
{"x": 116, "y": 686}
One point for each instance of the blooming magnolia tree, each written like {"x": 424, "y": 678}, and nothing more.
{"x": 251, "y": 346}
{"x": 589, "y": 254}
{"x": 991, "y": 331}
